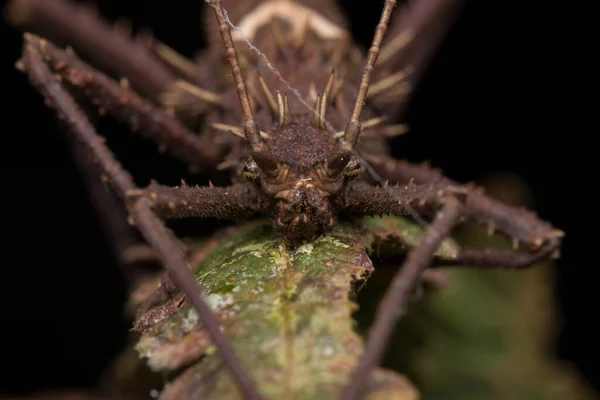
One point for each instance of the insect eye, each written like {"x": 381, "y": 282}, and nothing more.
{"x": 352, "y": 169}
{"x": 251, "y": 170}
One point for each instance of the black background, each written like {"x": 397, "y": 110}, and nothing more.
{"x": 489, "y": 103}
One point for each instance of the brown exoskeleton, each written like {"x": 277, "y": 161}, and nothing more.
{"x": 308, "y": 134}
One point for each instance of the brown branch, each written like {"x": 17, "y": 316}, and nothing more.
{"x": 397, "y": 295}
{"x": 107, "y": 47}
{"x": 149, "y": 225}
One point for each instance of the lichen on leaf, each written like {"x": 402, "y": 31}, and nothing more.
{"x": 288, "y": 314}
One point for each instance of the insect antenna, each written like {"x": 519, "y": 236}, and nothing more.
{"x": 259, "y": 150}
{"x": 337, "y": 162}
{"x": 353, "y": 129}
{"x": 389, "y": 310}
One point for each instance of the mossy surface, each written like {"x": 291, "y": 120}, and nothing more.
{"x": 287, "y": 312}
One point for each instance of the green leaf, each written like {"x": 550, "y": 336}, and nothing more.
{"x": 489, "y": 335}
{"x": 288, "y": 313}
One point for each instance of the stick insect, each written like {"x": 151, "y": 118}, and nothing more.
{"x": 296, "y": 112}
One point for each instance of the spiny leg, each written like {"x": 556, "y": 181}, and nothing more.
{"x": 124, "y": 104}
{"x": 234, "y": 202}
{"x": 539, "y": 237}
{"x": 151, "y": 227}
{"x": 108, "y": 48}
{"x": 456, "y": 202}
{"x": 111, "y": 48}
{"x": 394, "y": 302}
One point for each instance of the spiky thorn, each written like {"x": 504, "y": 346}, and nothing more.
{"x": 280, "y": 108}
{"x": 387, "y": 131}
{"x": 323, "y": 101}
{"x": 140, "y": 210}
{"x": 205, "y": 95}
{"x": 395, "y": 46}
{"x": 283, "y": 107}
{"x": 287, "y": 116}
{"x": 262, "y": 155}
{"x": 389, "y": 82}
{"x": 188, "y": 98}
{"x": 235, "y": 130}
{"x": 316, "y": 120}
{"x": 395, "y": 130}
{"x": 323, "y": 110}
{"x": 174, "y": 59}
{"x": 370, "y": 123}
{"x": 268, "y": 95}
{"x": 330, "y": 83}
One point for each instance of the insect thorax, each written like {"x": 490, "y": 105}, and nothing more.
{"x": 302, "y": 72}
{"x": 294, "y": 48}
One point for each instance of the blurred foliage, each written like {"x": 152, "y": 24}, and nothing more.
{"x": 489, "y": 334}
